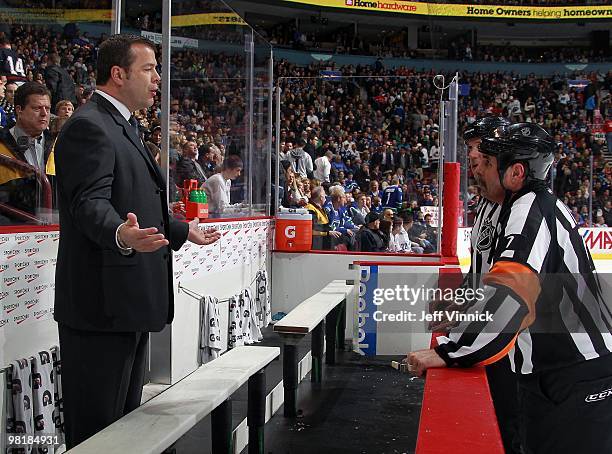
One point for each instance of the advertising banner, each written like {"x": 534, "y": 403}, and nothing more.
{"x": 28, "y": 261}
{"x": 597, "y": 239}
{"x": 176, "y": 41}
{"x": 391, "y": 307}
{"x": 63, "y": 16}
{"x": 514, "y": 12}
{"x": 242, "y": 242}
{"x": 188, "y": 20}
{"x": 27, "y": 277}
{"x": 53, "y": 15}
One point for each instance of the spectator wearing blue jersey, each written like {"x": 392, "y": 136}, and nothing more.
{"x": 392, "y": 195}
{"x": 360, "y": 209}
{"x": 339, "y": 216}
{"x": 349, "y": 183}
{"x": 338, "y": 165}
{"x": 376, "y": 204}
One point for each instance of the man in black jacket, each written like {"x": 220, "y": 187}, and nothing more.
{"x": 59, "y": 82}
{"x": 188, "y": 167}
{"x": 113, "y": 280}
{"x": 370, "y": 238}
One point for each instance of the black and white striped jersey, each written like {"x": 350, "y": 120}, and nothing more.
{"x": 481, "y": 241}
{"x": 544, "y": 298}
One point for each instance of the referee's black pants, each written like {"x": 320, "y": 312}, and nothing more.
{"x": 504, "y": 393}
{"x": 102, "y": 378}
{"x": 567, "y": 410}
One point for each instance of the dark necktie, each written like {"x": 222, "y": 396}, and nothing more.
{"x": 135, "y": 126}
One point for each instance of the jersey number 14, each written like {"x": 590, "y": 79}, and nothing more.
{"x": 15, "y": 68}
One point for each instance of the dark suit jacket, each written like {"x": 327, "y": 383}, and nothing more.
{"x": 186, "y": 170}
{"x": 60, "y": 84}
{"x": 103, "y": 173}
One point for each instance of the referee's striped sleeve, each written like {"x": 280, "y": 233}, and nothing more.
{"x": 511, "y": 290}
{"x": 484, "y": 342}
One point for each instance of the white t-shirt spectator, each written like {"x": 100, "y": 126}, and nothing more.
{"x": 312, "y": 118}
{"x": 218, "y": 193}
{"x": 434, "y": 153}
{"x": 323, "y": 169}
{"x": 425, "y": 155}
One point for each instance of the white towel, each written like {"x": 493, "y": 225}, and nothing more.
{"x": 21, "y": 387}
{"x": 262, "y": 299}
{"x": 251, "y": 331}
{"x": 42, "y": 396}
{"x": 210, "y": 329}
{"x": 58, "y": 410}
{"x": 236, "y": 322}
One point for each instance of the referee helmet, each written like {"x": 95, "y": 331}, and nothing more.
{"x": 483, "y": 127}
{"x": 521, "y": 142}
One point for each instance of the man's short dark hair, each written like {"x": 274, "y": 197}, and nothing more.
{"x": 232, "y": 162}
{"x": 117, "y": 51}
{"x": 29, "y": 89}
{"x": 4, "y": 41}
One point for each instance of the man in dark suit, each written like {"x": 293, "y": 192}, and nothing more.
{"x": 26, "y": 166}
{"x": 114, "y": 266}
{"x": 59, "y": 81}
{"x": 188, "y": 167}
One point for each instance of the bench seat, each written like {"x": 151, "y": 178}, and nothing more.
{"x": 161, "y": 421}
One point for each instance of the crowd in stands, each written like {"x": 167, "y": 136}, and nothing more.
{"x": 349, "y": 147}
{"x": 372, "y": 144}
{"x": 394, "y": 45}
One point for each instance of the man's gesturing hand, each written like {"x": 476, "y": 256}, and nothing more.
{"x": 202, "y": 237}
{"x": 141, "y": 240}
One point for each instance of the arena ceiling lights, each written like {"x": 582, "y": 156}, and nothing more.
{"x": 467, "y": 11}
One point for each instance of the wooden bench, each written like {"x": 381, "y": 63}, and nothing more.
{"x": 326, "y": 308}
{"x": 158, "y": 423}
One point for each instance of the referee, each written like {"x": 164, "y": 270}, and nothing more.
{"x": 501, "y": 379}
{"x": 547, "y": 306}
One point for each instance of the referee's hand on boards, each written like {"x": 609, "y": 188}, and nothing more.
{"x": 142, "y": 240}
{"x": 421, "y": 360}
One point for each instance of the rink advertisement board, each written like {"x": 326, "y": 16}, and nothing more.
{"x": 514, "y": 12}
{"x": 27, "y": 268}
{"x": 597, "y": 239}
{"x": 27, "y": 277}
{"x": 389, "y": 308}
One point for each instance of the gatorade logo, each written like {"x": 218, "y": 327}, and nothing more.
{"x": 290, "y": 231}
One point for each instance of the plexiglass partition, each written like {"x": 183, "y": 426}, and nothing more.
{"x": 220, "y": 87}
{"x": 55, "y": 48}
{"x": 372, "y": 149}
{"x": 219, "y": 128}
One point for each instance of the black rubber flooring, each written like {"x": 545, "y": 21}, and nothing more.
{"x": 362, "y": 406}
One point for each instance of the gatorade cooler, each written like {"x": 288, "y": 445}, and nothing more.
{"x": 293, "y": 230}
